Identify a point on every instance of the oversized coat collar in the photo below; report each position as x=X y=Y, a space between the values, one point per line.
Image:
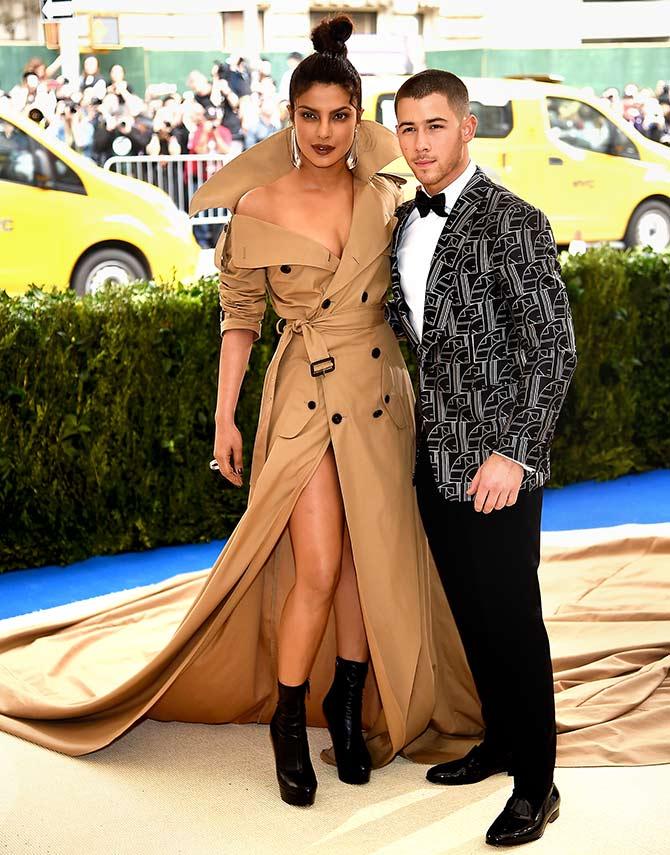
x=263 y=244
x=270 y=159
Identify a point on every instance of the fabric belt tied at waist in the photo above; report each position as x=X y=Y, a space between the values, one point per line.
x=321 y=362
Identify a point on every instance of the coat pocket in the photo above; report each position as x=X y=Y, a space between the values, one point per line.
x=392 y=399
x=300 y=403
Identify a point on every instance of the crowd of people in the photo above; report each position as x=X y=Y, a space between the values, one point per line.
x=646 y=109
x=227 y=112
x=233 y=108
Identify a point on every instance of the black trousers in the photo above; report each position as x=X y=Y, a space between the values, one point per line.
x=488 y=566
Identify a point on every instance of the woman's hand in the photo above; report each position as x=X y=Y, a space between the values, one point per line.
x=228 y=452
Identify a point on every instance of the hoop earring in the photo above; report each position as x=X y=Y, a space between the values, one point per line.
x=296 y=160
x=352 y=155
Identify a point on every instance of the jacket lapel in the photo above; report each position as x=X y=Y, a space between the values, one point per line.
x=441 y=283
x=402 y=214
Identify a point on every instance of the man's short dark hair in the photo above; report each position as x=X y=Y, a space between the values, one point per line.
x=435 y=81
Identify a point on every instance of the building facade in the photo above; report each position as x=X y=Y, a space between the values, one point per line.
x=589 y=42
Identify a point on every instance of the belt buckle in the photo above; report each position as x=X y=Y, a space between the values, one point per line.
x=318 y=372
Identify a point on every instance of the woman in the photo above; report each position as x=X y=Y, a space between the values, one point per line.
x=332 y=518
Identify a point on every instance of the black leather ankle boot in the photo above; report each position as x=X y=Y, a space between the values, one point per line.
x=342 y=708
x=288 y=729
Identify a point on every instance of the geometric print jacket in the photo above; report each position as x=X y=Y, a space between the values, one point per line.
x=498 y=347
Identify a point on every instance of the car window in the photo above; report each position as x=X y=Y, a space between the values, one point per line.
x=493 y=121
x=16 y=157
x=64 y=178
x=582 y=126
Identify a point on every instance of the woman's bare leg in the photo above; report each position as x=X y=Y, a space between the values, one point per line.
x=352 y=642
x=316 y=528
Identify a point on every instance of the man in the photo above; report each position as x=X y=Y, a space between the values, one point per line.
x=478 y=294
x=92 y=79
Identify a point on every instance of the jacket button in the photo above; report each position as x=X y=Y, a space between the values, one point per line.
x=311 y=405
x=376 y=353
x=377 y=413
x=337 y=418
x=325 y=304
x=285 y=268
x=364 y=296
x=387 y=398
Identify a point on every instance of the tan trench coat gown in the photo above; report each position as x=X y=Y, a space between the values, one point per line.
x=208 y=652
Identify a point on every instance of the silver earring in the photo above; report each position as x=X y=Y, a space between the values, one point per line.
x=352 y=156
x=295 y=150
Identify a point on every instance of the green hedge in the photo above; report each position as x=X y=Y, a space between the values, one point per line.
x=107 y=406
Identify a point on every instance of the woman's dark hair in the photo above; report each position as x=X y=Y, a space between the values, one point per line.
x=329 y=63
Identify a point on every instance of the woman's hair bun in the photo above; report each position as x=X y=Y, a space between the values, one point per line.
x=331 y=34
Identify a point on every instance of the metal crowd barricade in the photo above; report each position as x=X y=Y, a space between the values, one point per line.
x=179 y=175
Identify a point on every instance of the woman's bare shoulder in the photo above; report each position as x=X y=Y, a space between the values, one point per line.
x=264 y=202
x=254 y=202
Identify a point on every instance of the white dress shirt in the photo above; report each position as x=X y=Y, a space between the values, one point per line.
x=416 y=249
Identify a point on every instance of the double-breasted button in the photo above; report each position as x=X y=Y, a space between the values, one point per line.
x=376 y=353
x=337 y=418
x=285 y=268
x=311 y=405
x=377 y=413
x=364 y=297
x=325 y=304
x=387 y=398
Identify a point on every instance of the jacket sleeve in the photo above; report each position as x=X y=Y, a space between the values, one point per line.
x=525 y=263
x=241 y=290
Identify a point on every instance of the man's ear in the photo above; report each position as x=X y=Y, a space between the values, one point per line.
x=469 y=127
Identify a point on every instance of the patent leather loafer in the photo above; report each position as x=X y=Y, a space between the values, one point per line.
x=477 y=765
x=520 y=823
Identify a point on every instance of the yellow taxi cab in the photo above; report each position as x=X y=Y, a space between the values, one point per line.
x=592 y=173
x=67 y=223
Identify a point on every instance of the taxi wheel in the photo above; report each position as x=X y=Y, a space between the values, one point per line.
x=106 y=266
x=650 y=226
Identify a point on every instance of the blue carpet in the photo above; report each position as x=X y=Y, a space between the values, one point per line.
x=24 y=591
x=632 y=499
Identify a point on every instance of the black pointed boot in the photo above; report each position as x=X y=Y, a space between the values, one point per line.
x=288 y=729
x=342 y=708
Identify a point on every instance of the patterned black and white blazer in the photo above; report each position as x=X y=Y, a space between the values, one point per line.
x=498 y=348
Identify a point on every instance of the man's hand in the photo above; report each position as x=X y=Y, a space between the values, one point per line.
x=496 y=484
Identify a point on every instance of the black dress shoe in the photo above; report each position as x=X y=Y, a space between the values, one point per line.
x=520 y=822
x=478 y=764
x=342 y=708
x=288 y=729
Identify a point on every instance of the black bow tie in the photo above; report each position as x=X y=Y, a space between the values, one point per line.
x=425 y=203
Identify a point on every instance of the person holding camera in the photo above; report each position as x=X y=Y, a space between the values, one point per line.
x=72 y=125
x=165 y=140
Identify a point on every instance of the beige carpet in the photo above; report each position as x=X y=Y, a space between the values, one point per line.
x=184 y=789
x=207 y=790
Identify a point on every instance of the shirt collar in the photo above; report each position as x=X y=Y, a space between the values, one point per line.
x=454 y=190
